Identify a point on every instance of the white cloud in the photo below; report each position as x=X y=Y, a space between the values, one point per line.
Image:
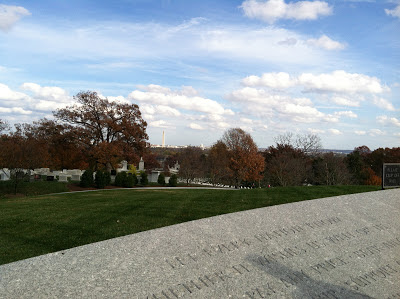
x=360 y=133
x=274 y=80
x=335 y=132
x=273 y=10
x=316 y=131
x=17 y=110
x=288 y=41
x=376 y=132
x=44 y=105
x=383 y=104
x=345 y=101
x=326 y=43
x=341 y=81
x=386 y=120
x=7 y=94
x=246 y=120
x=349 y=114
x=119 y=99
x=195 y=126
x=261 y=103
x=160 y=124
x=393 y=12
x=336 y=82
x=10 y=14
x=159 y=95
x=159 y=110
x=48 y=93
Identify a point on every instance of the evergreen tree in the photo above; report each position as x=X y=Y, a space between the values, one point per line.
x=161 y=179
x=87 y=179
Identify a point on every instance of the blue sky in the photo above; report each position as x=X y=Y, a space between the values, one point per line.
x=197 y=68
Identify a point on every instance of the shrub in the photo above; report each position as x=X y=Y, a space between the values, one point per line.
x=129 y=181
x=120 y=179
x=107 y=176
x=87 y=179
x=161 y=179
x=100 y=179
x=143 y=179
x=173 y=181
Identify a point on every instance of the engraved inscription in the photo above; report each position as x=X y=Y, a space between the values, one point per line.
x=204 y=281
x=371 y=277
x=261 y=292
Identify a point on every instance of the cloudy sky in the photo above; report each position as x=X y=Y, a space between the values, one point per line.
x=199 y=67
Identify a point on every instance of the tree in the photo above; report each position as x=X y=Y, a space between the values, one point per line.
x=109 y=131
x=218 y=161
x=87 y=179
x=3 y=125
x=329 y=169
x=144 y=181
x=102 y=179
x=246 y=164
x=308 y=143
x=191 y=161
x=173 y=181
x=285 y=165
x=161 y=179
x=64 y=152
x=21 y=152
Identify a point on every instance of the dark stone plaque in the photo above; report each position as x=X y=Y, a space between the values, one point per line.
x=391 y=175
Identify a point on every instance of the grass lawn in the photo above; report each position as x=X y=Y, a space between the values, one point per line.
x=31 y=226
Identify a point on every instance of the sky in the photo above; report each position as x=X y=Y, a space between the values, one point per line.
x=199 y=67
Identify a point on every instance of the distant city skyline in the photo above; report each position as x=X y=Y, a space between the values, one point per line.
x=197 y=68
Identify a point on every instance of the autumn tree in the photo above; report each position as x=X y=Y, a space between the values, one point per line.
x=192 y=163
x=245 y=163
x=218 y=162
x=20 y=152
x=108 y=131
x=64 y=151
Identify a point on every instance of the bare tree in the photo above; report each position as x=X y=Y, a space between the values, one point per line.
x=191 y=163
x=308 y=143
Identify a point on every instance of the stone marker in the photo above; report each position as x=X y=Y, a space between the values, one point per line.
x=338 y=247
x=391 y=175
x=63 y=178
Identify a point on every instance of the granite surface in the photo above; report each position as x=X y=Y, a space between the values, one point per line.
x=338 y=247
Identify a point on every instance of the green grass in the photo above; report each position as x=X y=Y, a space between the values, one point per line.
x=31 y=226
x=31 y=188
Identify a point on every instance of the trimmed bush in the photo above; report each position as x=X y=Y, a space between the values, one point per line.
x=120 y=179
x=100 y=179
x=129 y=181
x=143 y=179
x=107 y=177
x=173 y=181
x=161 y=179
x=87 y=179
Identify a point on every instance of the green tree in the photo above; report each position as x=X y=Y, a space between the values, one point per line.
x=120 y=178
x=144 y=181
x=173 y=181
x=87 y=179
x=161 y=179
x=101 y=179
